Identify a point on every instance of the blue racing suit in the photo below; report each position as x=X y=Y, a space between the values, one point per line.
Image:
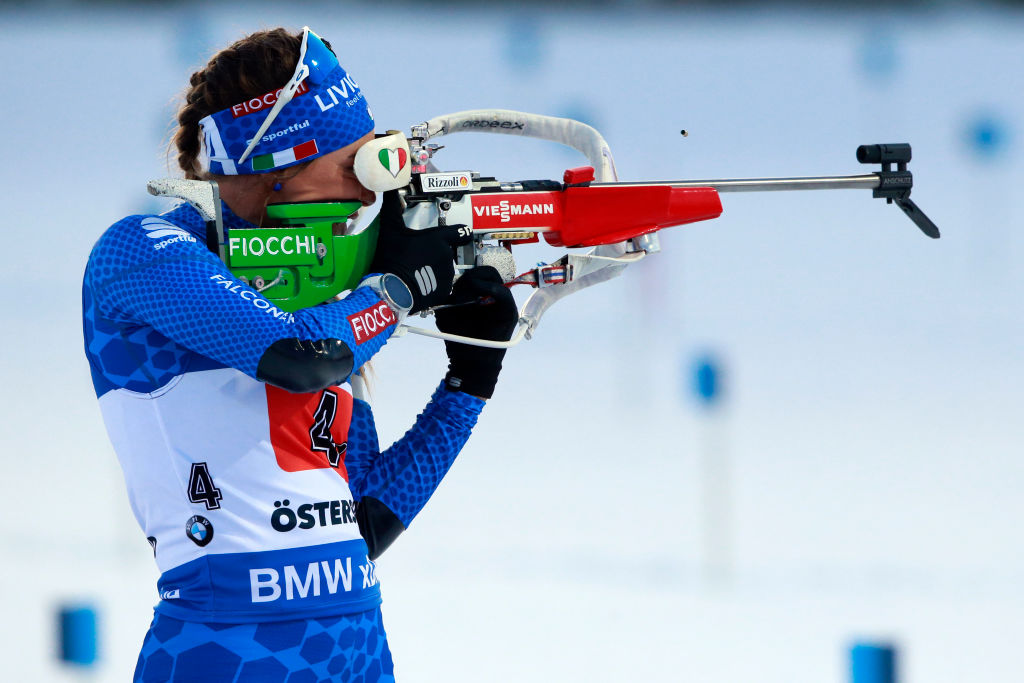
x=246 y=456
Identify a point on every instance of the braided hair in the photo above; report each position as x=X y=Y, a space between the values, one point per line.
x=250 y=67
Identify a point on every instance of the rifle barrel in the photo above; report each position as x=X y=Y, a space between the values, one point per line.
x=868 y=181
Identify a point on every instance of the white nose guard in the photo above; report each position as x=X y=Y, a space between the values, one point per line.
x=384 y=163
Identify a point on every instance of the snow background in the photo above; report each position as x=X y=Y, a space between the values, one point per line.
x=870 y=432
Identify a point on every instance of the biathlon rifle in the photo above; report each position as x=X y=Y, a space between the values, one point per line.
x=589 y=208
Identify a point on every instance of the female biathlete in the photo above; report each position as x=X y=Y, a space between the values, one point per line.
x=253 y=471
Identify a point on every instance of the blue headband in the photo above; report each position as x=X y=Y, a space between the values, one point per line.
x=319 y=110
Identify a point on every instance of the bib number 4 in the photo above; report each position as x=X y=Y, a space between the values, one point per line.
x=320 y=437
x=201 y=488
x=310 y=431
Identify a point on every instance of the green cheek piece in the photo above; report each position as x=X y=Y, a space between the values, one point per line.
x=303 y=262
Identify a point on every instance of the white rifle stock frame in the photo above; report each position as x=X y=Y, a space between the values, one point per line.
x=597 y=265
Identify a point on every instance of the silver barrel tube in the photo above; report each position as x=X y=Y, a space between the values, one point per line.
x=867 y=181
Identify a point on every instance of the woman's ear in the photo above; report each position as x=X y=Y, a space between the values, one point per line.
x=272 y=182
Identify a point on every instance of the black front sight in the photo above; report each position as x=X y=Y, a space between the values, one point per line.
x=895 y=186
x=884 y=154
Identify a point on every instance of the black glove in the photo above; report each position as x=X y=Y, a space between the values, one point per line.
x=485 y=309
x=424 y=259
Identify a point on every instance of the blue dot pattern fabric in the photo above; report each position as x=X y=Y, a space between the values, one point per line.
x=156 y=303
x=404 y=476
x=351 y=648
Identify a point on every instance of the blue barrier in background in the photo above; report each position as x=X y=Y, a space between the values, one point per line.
x=988 y=136
x=77 y=634
x=879 y=55
x=872 y=663
x=707 y=380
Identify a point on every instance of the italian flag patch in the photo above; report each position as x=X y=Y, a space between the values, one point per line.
x=393 y=160
x=265 y=162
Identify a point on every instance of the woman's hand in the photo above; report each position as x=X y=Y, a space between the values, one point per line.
x=481 y=306
x=424 y=259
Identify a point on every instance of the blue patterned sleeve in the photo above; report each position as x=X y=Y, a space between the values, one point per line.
x=185 y=292
x=404 y=476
